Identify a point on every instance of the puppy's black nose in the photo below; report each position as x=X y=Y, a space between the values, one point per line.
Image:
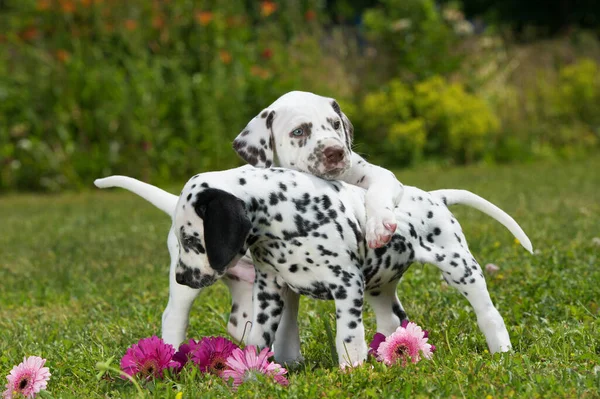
x=334 y=155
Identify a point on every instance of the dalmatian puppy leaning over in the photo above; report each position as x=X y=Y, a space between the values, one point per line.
x=310 y=133
x=305 y=236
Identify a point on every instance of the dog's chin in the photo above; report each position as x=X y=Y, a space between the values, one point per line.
x=334 y=173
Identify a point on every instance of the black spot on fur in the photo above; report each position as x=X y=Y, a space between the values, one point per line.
x=262 y=318
x=270 y=119
x=401 y=314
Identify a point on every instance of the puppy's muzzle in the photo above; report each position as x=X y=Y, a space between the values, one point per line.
x=334 y=157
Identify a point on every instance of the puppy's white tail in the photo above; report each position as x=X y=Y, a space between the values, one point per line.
x=464 y=197
x=159 y=198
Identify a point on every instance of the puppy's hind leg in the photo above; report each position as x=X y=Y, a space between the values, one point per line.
x=240 y=318
x=268 y=304
x=461 y=270
x=287 y=336
x=387 y=307
x=176 y=315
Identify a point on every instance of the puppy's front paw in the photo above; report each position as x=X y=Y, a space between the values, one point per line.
x=380 y=228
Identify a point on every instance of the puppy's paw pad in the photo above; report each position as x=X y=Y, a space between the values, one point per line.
x=380 y=228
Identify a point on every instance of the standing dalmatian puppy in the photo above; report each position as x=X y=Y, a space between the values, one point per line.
x=310 y=133
x=317 y=250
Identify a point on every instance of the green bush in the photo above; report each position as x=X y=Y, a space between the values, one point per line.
x=431 y=118
x=157 y=90
x=554 y=116
x=416 y=41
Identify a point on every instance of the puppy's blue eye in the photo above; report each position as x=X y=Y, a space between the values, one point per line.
x=298 y=132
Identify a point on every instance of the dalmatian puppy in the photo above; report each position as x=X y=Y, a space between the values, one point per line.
x=305 y=236
x=310 y=133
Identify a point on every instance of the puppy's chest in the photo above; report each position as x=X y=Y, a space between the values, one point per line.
x=308 y=266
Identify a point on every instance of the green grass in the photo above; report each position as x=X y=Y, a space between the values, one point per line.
x=83 y=276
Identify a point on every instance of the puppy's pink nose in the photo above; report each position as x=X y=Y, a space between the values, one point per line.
x=334 y=155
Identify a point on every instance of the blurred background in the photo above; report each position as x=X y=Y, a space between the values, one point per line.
x=158 y=89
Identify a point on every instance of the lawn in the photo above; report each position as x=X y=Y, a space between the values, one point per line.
x=84 y=276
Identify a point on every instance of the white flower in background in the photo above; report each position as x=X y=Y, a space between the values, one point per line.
x=463 y=28
x=452 y=15
x=24 y=144
x=401 y=24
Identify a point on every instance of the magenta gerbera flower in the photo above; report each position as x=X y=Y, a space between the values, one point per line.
x=378 y=338
x=245 y=364
x=148 y=358
x=405 y=343
x=27 y=379
x=211 y=354
x=184 y=353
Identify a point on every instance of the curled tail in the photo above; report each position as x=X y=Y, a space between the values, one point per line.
x=464 y=197
x=159 y=198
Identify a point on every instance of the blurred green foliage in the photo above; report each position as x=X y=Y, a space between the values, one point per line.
x=433 y=118
x=159 y=89
x=416 y=41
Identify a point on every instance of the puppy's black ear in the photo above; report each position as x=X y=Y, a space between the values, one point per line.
x=226 y=226
x=255 y=143
x=348 y=128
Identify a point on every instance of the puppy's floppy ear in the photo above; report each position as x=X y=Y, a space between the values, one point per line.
x=348 y=128
x=255 y=143
x=226 y=226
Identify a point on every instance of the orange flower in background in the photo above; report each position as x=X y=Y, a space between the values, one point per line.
x=310 y=15
x=158 y=21
x=203 y=17
x=267 y=53
x=267 y=8
x=63 y=55
x=29 y=33
x=43 y=5
x=235 y=20
x=86 y=3
x=225 y=56
x=257 y=71
x=67 y=6
x=130 y=24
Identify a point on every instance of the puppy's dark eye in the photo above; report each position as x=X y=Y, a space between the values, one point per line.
x=336 y=125
x=298 y=132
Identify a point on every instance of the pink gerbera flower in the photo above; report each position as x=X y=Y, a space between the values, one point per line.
x=185 y=353
x=405 y=343
x=148 y=358
x=211 y=354
x=27 y=379
x=245 y=364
